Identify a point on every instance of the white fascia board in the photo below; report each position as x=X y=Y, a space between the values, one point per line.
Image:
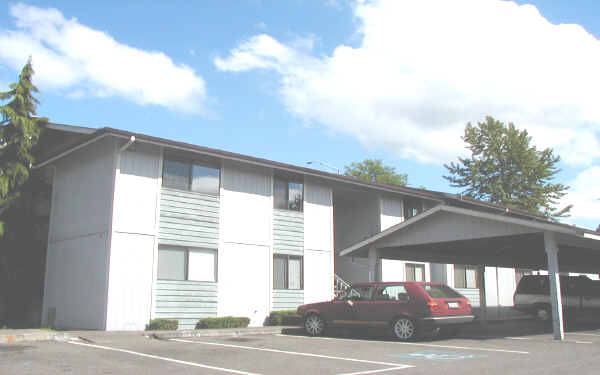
x=591 y=236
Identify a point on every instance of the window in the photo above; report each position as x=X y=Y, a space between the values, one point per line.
x=412 y=207
x=415 y=272
x=520 y=272
x=391 y=293
x=180 y=263
x=466 y=277
x=360 y=293
x=287 y=194
x=288 y=272
x=191 y=176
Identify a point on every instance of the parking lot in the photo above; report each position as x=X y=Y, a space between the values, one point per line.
x=294 y=353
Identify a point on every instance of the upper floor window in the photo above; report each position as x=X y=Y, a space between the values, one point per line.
x=412 y=207
x=196 y=177
x=288 y=194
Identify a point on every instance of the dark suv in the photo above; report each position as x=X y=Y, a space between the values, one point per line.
x=408 y=308
x=580 y=296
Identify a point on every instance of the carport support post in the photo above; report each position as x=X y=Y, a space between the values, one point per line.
x=557 y=315
x=373 y=263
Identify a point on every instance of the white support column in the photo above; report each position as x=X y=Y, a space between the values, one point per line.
x=373 y=264
x=557 y=316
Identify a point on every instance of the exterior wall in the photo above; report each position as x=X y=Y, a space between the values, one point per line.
x=75 y=289
x=288 y=238
x=245 y=252
x=132 y=256
x=318 y=243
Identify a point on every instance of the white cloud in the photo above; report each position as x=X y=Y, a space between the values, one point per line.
x=584 y=195
x=426 y=67
x=73 y=57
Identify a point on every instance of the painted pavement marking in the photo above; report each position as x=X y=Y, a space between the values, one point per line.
x=437 y=355
x=414 y=344
x=393 y=366
x=194 y=364
x=518 y=338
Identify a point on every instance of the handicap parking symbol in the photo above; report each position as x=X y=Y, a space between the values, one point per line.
x=436 y=355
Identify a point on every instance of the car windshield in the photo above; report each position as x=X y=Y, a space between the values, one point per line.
x=441 y=291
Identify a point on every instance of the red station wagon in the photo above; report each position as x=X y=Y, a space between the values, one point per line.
x=409 y=308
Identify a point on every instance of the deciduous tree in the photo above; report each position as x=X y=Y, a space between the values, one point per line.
x=504 y=168
x=374 y=170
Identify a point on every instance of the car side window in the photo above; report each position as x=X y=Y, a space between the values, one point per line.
x=392 y=293
x=361 y=293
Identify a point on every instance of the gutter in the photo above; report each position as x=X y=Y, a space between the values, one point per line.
x=71 y=150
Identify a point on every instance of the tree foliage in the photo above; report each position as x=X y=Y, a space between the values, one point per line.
x=503 y=168
x=20 y=130
x=374 y=170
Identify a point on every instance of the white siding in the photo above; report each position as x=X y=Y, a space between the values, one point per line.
x=130 y=282
x=318 y=243
x=244 y=282
x=246 y=206
x=245 y=253
x=392 y=212
x=133 y=241
x=76 y=267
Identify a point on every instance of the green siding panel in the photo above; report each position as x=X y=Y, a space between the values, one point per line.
x=186 y=301
x=188 y=219
x=287 y=299
x=288 y=232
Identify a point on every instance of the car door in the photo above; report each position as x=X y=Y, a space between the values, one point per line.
x=348 y=310
x=389 y=301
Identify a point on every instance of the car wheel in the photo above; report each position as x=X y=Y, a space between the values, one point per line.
x=405 y=329
x=543 y=313
x=314 y=325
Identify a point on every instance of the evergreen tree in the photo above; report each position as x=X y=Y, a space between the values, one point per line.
x=373 y=170
x=20 y=130
x=505 y=169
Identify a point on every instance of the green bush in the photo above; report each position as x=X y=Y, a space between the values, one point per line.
x=223 y=322
x=162 y=325
x=284 y=318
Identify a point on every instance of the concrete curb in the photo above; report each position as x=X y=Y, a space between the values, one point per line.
x=165 y=335
x=17 y=336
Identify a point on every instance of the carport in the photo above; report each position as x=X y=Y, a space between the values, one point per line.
x=448 y=234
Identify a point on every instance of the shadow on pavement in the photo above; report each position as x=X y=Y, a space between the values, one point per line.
x=475 y=331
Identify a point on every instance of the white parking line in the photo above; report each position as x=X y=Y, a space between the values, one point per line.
x=194 y=364
x=415 y=344
x=394 y=366
x=583 y=342
x=518 y=338
x=373 y=371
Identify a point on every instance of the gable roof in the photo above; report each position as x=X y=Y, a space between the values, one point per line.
x=90 y=135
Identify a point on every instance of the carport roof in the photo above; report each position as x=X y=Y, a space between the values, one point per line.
x=447 y=234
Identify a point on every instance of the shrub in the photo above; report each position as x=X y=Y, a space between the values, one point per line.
x=284 y=318
x=223 y=322
x=162 y=325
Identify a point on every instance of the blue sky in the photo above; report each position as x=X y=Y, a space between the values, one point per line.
x=333 y=81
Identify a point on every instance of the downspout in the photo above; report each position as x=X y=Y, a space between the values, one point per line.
x=117 y=172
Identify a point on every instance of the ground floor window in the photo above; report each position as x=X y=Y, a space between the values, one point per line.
x=183 y=263
x=288 y=272
x=466 y=277
x=415 y=272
